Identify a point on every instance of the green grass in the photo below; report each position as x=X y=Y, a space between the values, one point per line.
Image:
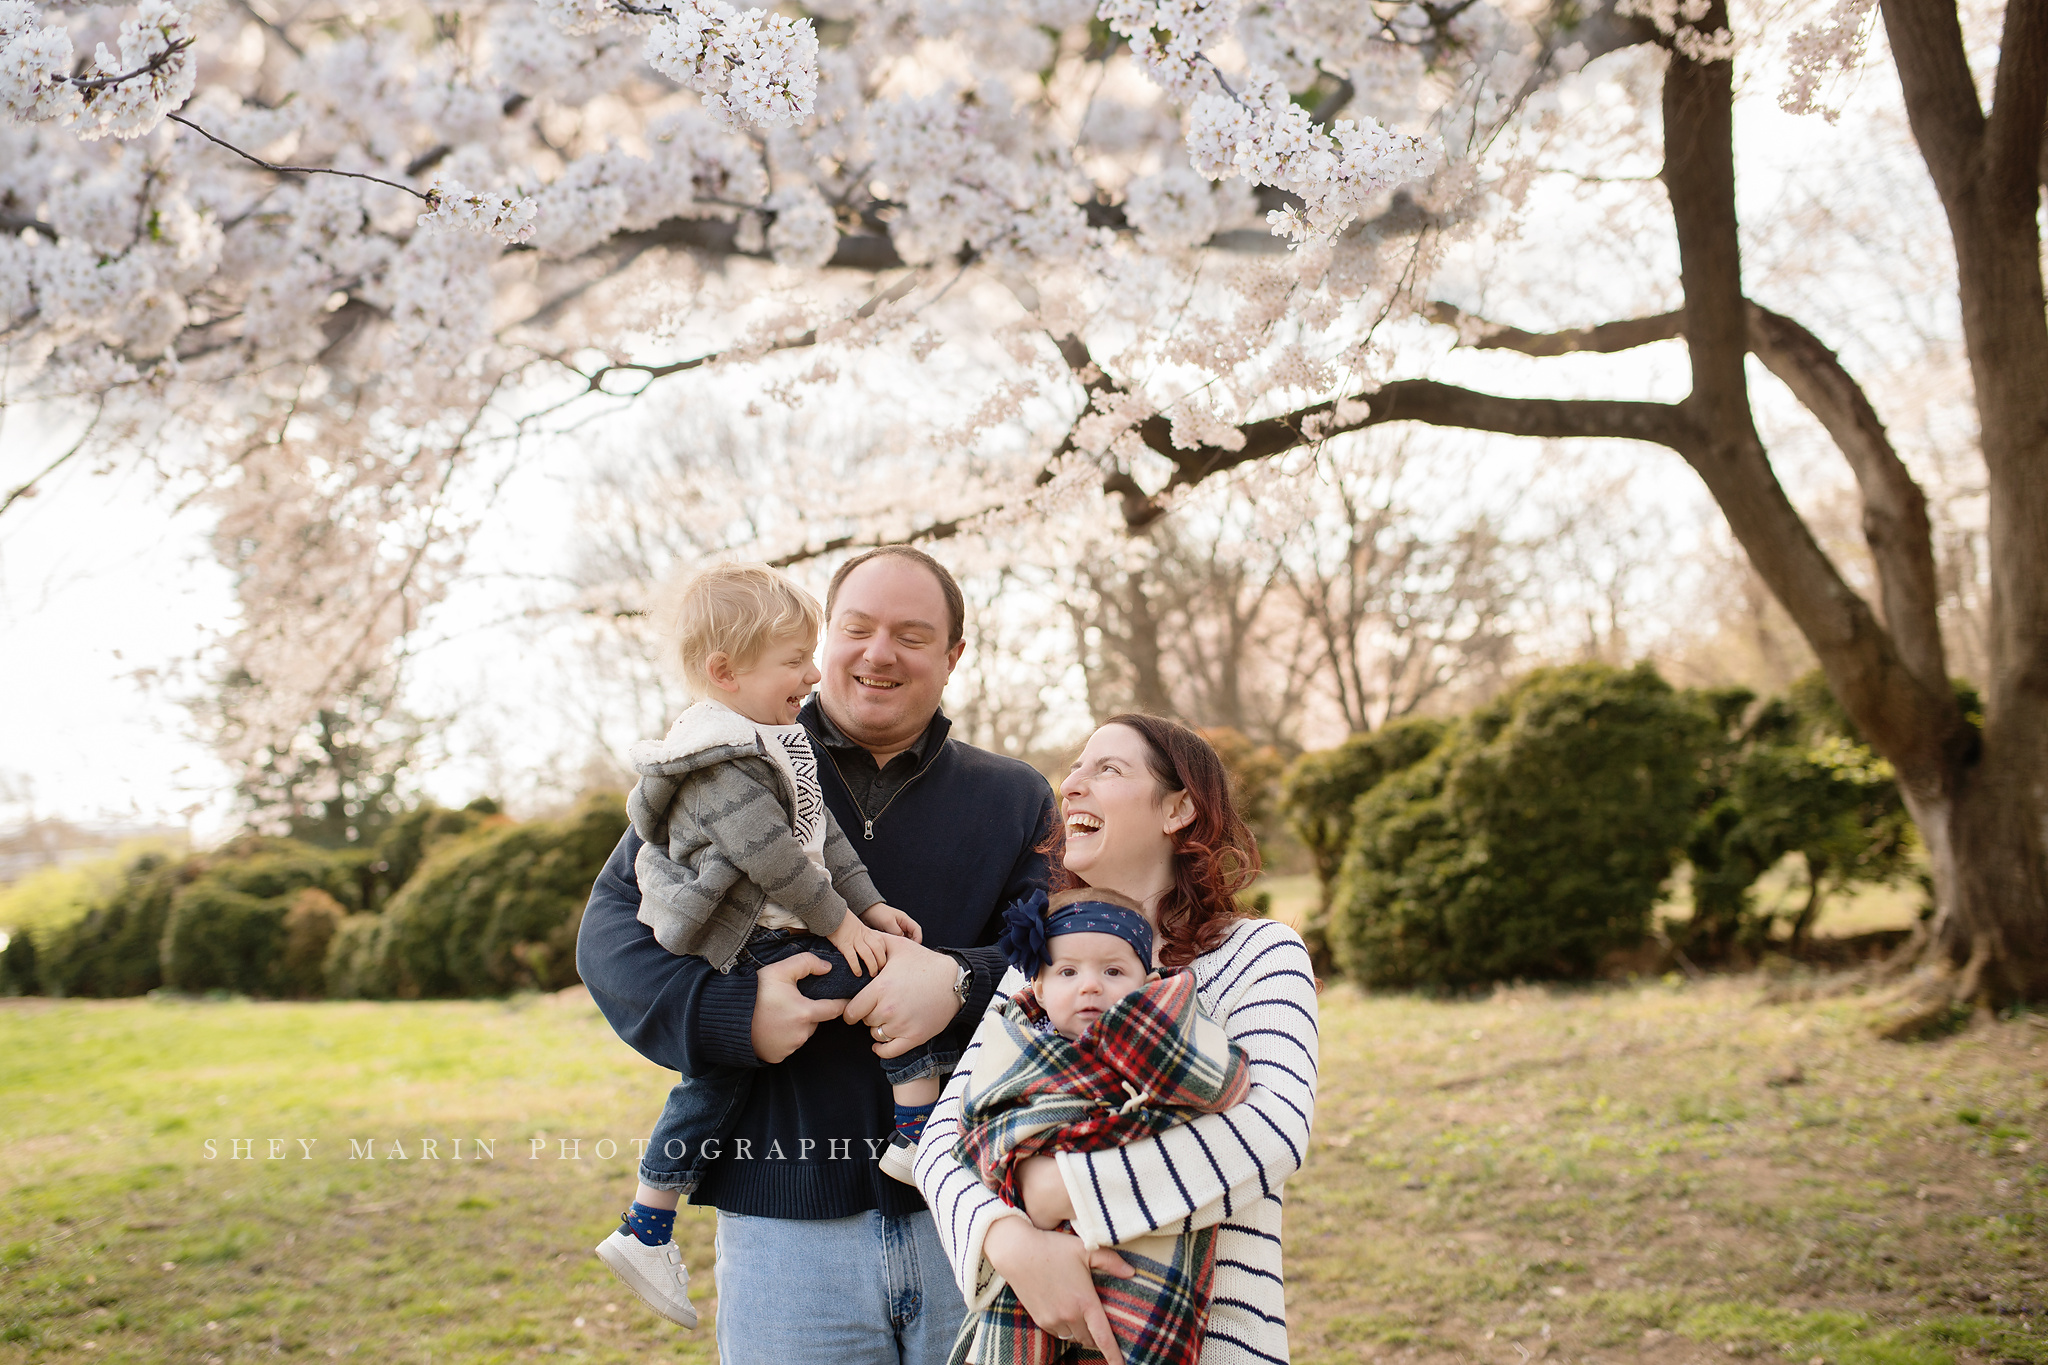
x=1601 y=1175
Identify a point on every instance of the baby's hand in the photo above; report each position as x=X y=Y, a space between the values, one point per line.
x=860 y=945
x=890 y=920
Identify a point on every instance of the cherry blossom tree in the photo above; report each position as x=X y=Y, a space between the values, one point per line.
x=331 y=261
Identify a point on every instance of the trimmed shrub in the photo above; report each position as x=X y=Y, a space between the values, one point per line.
x=1320 y=789
x=1319 y=792
x=487 y=912
x=356 y=964
x=309 y=927
x=113 y=949
x=18 y=966
x=407 y=840
x=219 y=938
x=1534 y=840
x=226 y=929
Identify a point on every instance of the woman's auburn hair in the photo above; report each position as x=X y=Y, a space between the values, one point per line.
x=1214 y=857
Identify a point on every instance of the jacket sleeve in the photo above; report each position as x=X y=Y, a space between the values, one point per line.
x=985 y=964
x=849 y=875
x=677 y=1012
x=737 y=805
x=1208 y=1169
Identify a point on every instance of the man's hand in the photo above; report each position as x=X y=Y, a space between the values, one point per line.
x=1046 y=1201
x=909 y=1000
x=784 y=1017
x=1054 y=1279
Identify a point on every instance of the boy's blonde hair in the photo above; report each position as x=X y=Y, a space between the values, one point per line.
x=736 y=610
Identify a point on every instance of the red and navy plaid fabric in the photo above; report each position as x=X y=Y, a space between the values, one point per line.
x=1153 y=1061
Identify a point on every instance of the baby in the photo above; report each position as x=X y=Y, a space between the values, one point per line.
x=744 y=866
x=1097 y=1051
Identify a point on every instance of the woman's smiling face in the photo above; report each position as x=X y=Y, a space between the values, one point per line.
x=1120 y=820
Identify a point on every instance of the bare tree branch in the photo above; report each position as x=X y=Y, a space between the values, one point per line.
x=297 y=170
x=1605 y=338
x=29 y=489
x=1895 y=520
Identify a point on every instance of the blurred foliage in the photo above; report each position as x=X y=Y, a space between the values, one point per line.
x=487 y=912
x=1254 y=771
x=1788 y=776
x=259 y=916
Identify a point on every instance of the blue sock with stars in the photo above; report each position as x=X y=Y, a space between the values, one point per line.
x=910 y=1121
x=654 y=1227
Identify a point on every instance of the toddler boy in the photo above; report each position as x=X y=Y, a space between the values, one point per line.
x=744 y=866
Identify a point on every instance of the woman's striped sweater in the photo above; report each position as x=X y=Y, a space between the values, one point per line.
x=1224 y=1169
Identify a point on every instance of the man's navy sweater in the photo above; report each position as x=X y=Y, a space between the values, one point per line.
x=957 y=844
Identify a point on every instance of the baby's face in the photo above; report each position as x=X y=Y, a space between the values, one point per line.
x=1086 y=975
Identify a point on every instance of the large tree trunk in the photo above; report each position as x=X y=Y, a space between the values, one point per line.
x=1993 y=888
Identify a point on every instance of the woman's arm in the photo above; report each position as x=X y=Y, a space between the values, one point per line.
x=1050 y=1272
x=1203 y=1171
x=963 y=1208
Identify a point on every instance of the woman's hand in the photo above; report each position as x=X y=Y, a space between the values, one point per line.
x=1053 y=1276
x=1046 y=1201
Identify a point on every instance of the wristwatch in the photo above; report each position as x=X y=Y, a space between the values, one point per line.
x=960 y=984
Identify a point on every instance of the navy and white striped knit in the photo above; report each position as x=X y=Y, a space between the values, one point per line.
x=1225 y=1169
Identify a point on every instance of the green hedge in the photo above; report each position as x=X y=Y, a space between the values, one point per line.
x=114 y=949
x=1319 y=792
x=226 y=928
x=488 y=912
x=258 y=916
x=1531 y=842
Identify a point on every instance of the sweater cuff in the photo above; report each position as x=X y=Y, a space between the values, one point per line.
x=1088 y=1222
x=858 y=890
x=987 y=1279
x=725 y=1020
x=985 y=968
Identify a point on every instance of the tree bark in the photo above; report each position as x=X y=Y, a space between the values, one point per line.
x=1987 y=171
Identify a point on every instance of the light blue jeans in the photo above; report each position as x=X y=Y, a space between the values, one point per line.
x=866 y=1290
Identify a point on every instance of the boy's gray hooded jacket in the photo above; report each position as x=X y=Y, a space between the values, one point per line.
x=717 y=817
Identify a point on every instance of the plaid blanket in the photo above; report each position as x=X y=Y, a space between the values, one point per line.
x=1152 y=1062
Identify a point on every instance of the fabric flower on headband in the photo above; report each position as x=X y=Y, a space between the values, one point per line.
x=1023 y=937
x=1030 y=925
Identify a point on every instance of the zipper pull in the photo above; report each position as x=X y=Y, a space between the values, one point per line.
x=870 y=830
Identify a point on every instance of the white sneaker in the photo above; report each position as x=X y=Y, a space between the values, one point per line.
x=656 y=1274
x=897 y=1162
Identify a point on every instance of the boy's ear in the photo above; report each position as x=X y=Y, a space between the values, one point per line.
x=1152 y=977
x=723 y=675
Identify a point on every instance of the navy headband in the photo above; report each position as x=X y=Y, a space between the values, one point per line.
x=1028 y=930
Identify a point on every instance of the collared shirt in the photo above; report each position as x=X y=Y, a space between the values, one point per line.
x=871 y=786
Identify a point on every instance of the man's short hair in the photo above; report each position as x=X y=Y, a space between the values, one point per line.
x=737 y=610
x=956 y=603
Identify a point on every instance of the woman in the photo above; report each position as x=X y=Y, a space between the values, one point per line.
x=1148 y=814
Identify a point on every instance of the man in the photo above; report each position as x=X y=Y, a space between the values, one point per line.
x=821 y=1258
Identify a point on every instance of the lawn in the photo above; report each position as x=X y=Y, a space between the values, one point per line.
x=1653 y=1173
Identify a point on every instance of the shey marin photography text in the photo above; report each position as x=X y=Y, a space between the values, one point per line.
x=545 y=1147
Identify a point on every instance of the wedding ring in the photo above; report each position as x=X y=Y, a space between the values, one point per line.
x=880 y=1036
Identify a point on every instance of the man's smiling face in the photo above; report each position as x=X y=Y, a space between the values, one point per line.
x=887 y=657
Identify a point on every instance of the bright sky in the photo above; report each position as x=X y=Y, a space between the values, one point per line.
x=101 y=582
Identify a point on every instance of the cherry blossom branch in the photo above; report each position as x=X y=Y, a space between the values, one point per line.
x=33 y=486
x=428 y=196
x=148 y=68
x=1605 y=338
